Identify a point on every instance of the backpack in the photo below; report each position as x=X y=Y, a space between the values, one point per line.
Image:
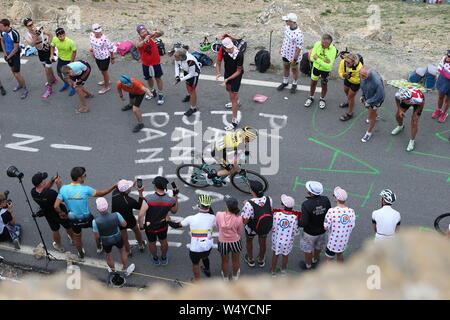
x=135 y=53
x=124 y=47
x=305 y=64
x=262 y=60
x=203 y=59
x=161 y=47
x=262 y=220
x=240 y=44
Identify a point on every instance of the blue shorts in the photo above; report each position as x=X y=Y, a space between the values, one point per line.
x=443 y=85
x=152 y=71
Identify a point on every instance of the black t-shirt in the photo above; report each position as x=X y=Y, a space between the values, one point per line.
x=314 y=210
x=6 y=218
x=231 y=64
x=46 y=200
x=124 y=204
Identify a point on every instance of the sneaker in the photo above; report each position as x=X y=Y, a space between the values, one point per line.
x=410 y=146
x=207 y=272
x=378 y=118
x=397 y=130
x=16 y=243
x=232 y=126
x=100 y=249
x=138 y=127
x=164 y=261
x=72 y=92
x=303 y=266
x=261 y=264
x=82 y=254
x=251 y=263
x=190 y=112
x=58 y=248
x=154 y=93
x=283 y=272
x=46 y=94
x=282 y=86
x=128 y=271
x=127 y=107
x=156 y=261
x=308 y=102
x=17 y=88
x=229 y=105
x=236 y=277
x=436 y=113
x=142 y=247
x=322 y=104
x=2 y=91
x=366 y=137
x=274 y=274
x=293 y=88
x=24 y=94
x=226 y=279
x=226 y=181
x=209 y=181
x=148 y=97
x=443 y=117
x=65 y=86
x=186 y=99
x=104 y=90
x=160 y=99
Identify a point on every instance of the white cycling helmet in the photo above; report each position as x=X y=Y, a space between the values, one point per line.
x=405 y=93
x=388 y=196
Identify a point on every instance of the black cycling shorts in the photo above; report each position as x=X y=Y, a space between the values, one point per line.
x=103 y=65
x=417 y=108
x=234 y=84
x=197 y=256
x=138 y=98
x=54 y=222
x=117 y=244
x=353 y=86
x=130 y=220
x=44 y=57
x=78 y=78
x=78 y=226
x=14 y=62
x=322 y=74
x=152 y=237
x=59 y=65
x=287 y=62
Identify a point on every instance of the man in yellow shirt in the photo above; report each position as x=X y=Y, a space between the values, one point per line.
x=349 y=71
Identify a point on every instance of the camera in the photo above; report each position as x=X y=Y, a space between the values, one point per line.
x=13 y=172
x=39 y=31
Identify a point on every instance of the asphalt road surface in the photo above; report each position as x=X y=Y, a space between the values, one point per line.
x=310 y=144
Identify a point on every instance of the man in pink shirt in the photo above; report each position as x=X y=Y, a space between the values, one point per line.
x=230 y=225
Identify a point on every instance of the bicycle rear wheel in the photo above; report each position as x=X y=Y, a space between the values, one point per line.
x=193 y=175
x=442 y=223
x=241 y=180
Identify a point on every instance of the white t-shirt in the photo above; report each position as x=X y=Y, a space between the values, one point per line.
x=41 y=42
x=293 y=39
x=201 y=226
x=386 y=220
x=340 y=223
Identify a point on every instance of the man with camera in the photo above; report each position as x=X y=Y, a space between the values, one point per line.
x=40 y=38
x=45 y=197
x=9 y=230
x=154 y=211
x=76 y=198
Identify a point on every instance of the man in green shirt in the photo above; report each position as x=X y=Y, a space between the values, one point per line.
x=322 y=56
x=67 y=52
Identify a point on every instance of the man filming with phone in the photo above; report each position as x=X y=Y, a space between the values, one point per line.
x=45 y=197
x=154 y=211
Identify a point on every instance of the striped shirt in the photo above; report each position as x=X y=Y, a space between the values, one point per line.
x=158 y=208
x=201 y=226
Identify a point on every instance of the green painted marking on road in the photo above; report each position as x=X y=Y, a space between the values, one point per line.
x=391 y=142
x=439 y=135
x=337 y=152
x=366 y=197
x=428 y=170
x=431 y=155
x=428 y=110
x=314 y=125
x=426 y=229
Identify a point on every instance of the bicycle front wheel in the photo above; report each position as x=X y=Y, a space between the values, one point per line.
x=442 y=223
x=241 y=180
x=193 y=175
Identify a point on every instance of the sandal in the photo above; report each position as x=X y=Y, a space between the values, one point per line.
x=82 y=110
x=346 y=117
x=343 y=105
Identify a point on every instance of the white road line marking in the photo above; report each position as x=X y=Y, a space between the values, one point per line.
x=22 y=61
x=258 y=83
x=20 y=145
x=70 y=147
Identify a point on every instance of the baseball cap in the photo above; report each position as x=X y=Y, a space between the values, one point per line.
x=139 y=28
x=314 y=187
x=340 y=194
x=290 y=17
x=96 y=27
x=287 y=201
x=124 y=185
x=232 y=204
x=256 y=186
x=38 y=178
x=102 y=204
x=227 y=43
x=160 y=182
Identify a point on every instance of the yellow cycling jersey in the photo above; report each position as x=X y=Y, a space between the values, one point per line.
x=229 y=141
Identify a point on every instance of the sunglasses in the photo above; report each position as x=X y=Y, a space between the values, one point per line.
x=30 y=25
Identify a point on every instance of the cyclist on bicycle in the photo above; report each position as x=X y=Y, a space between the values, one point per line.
x=230 y=142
